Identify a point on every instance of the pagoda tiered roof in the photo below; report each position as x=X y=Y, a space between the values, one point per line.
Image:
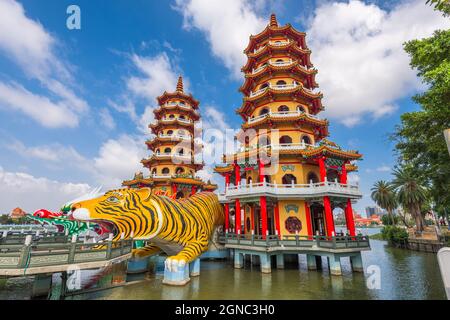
x=269 y=50
x=272 y=69
x=273 y=29
x=325 y=148
x=178 y=94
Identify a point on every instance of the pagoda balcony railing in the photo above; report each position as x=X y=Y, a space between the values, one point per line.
x=293 y=190
x=161 y=176
x=279 y=147
x=273 y=43
x=174 y=155
x=274 y=63
x=175 y=136
x=182 y=106
x=173 y=119
x=280 y=114
x=274 y=87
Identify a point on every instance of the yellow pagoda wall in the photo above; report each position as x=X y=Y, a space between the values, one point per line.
x=284 y=214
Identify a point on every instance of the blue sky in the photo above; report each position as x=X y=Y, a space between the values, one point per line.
x=74 y=103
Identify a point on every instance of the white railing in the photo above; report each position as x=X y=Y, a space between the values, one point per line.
x=275 y=87
x=280 y=114
x=281 y=63
x=175 y=136
x=293 y=190
x=161 y=176
x=173 y=119
x=279 y=43
x=175 y=155
x=278 y=147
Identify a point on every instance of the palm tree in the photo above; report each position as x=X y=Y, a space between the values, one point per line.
x=410 y=193
x=384 y=196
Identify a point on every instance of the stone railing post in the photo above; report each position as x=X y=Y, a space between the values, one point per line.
x=73 y=247
x=25 y=252
x=109 y=246
x=253 y=237
x=297 y=243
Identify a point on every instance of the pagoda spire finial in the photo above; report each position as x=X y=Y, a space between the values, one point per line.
x=180 y=84
x=273 y=20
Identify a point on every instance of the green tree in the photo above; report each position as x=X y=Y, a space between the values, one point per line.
x=384 y=196
x=441 y=5
x=410 y=193
x=419 y=137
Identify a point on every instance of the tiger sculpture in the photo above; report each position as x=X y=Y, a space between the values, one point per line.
x=180 y=228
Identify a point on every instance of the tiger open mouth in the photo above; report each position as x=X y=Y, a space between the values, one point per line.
x=105 y=227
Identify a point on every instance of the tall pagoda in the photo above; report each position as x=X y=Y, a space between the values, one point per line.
x=171 y=165
x=281 y=107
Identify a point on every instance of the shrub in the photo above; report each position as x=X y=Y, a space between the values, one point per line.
x=394 y=234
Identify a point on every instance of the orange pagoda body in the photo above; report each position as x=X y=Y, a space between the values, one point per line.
x=287 y=178
x=172 y=164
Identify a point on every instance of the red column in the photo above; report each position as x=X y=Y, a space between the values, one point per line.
x=328 y=216
x=349 y=218
x=193 y=190
x=174 y=189
x=227 y=217
x=323 y=170
x=237 y=217
x=260 y=170
x=263 y=204
x=237 y=175
x=277 y=219
x=252 y=216
x=308 y=219
x=227 y=179
x=344 y=174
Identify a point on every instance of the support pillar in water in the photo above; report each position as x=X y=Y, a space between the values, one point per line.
x=42 y=285
x=265 y=263
x=195 y=267
x=176 y=277
x=280 y=261
x=311 y=262
x=334 y=263
x=356 y=262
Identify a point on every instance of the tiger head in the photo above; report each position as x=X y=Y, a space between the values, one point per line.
x=131 y=212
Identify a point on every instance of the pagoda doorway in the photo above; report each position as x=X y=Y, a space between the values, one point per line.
x=318 y=219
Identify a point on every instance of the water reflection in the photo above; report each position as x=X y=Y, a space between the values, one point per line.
x=404 y=275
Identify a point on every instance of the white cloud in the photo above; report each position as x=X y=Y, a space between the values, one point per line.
x=32 y=193
x=106 y=119
x=32 y=48
x=357 y=49
x=384 y=169
x=157 y=75
x=41 y=109
x=227 y=27
x=118 y=160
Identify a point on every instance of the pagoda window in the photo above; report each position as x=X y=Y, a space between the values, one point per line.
x=171 y=116
x=181 y=132
x=332 y=176
x=267 y=179
x=264 y=111
x=312 y=178
x=289 y=179
x=181 y=151
x=179 y=195
x=167 y=150
x=264 y=85
x=181 y=103
x=154 y=172
x=157 y=151
x=249 y=180
x=264 y=141
x=281 y=83
x=179 y=170
x=285 y=140
x=170 y=132
x=182 y=117
x=306 y=139
x=283 y=108
x=165 y=171
x=301 y=109
x=279 y=60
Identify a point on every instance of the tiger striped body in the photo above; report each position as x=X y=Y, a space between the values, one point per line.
x=181 y=228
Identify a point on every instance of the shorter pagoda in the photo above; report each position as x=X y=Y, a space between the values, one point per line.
x=171 y=164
